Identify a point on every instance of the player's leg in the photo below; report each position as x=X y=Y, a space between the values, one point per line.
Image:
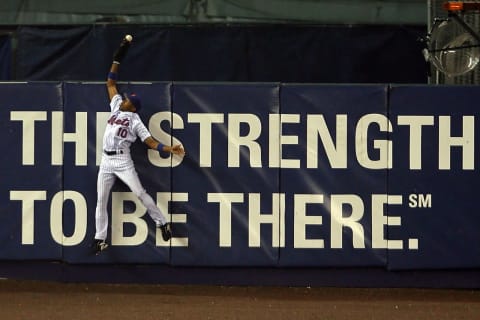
x=130 y=178
x=105 y=183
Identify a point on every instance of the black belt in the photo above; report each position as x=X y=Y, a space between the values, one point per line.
x=114 y=152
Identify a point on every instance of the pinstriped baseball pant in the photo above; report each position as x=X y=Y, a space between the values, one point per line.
x=111 y=168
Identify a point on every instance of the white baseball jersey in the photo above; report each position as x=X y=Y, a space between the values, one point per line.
x=123 y=128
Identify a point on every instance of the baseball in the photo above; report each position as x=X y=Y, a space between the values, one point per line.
x=129 y=38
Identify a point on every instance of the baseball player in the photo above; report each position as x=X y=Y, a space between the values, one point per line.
x=123 y=128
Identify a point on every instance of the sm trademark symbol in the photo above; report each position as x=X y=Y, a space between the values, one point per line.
x=419 y=200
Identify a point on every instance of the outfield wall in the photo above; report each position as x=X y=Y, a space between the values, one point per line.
x=276 y=176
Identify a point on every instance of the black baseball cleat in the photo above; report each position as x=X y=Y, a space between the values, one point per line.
x=99 y=245
x=166 y=231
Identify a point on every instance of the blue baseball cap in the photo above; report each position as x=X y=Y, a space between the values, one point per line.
x=135 y=100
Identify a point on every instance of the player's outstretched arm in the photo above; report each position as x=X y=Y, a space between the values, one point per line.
x=112 y=80
x=117 y=59
x=155 y=145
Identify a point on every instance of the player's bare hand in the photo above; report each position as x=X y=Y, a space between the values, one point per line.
x=178 y=150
